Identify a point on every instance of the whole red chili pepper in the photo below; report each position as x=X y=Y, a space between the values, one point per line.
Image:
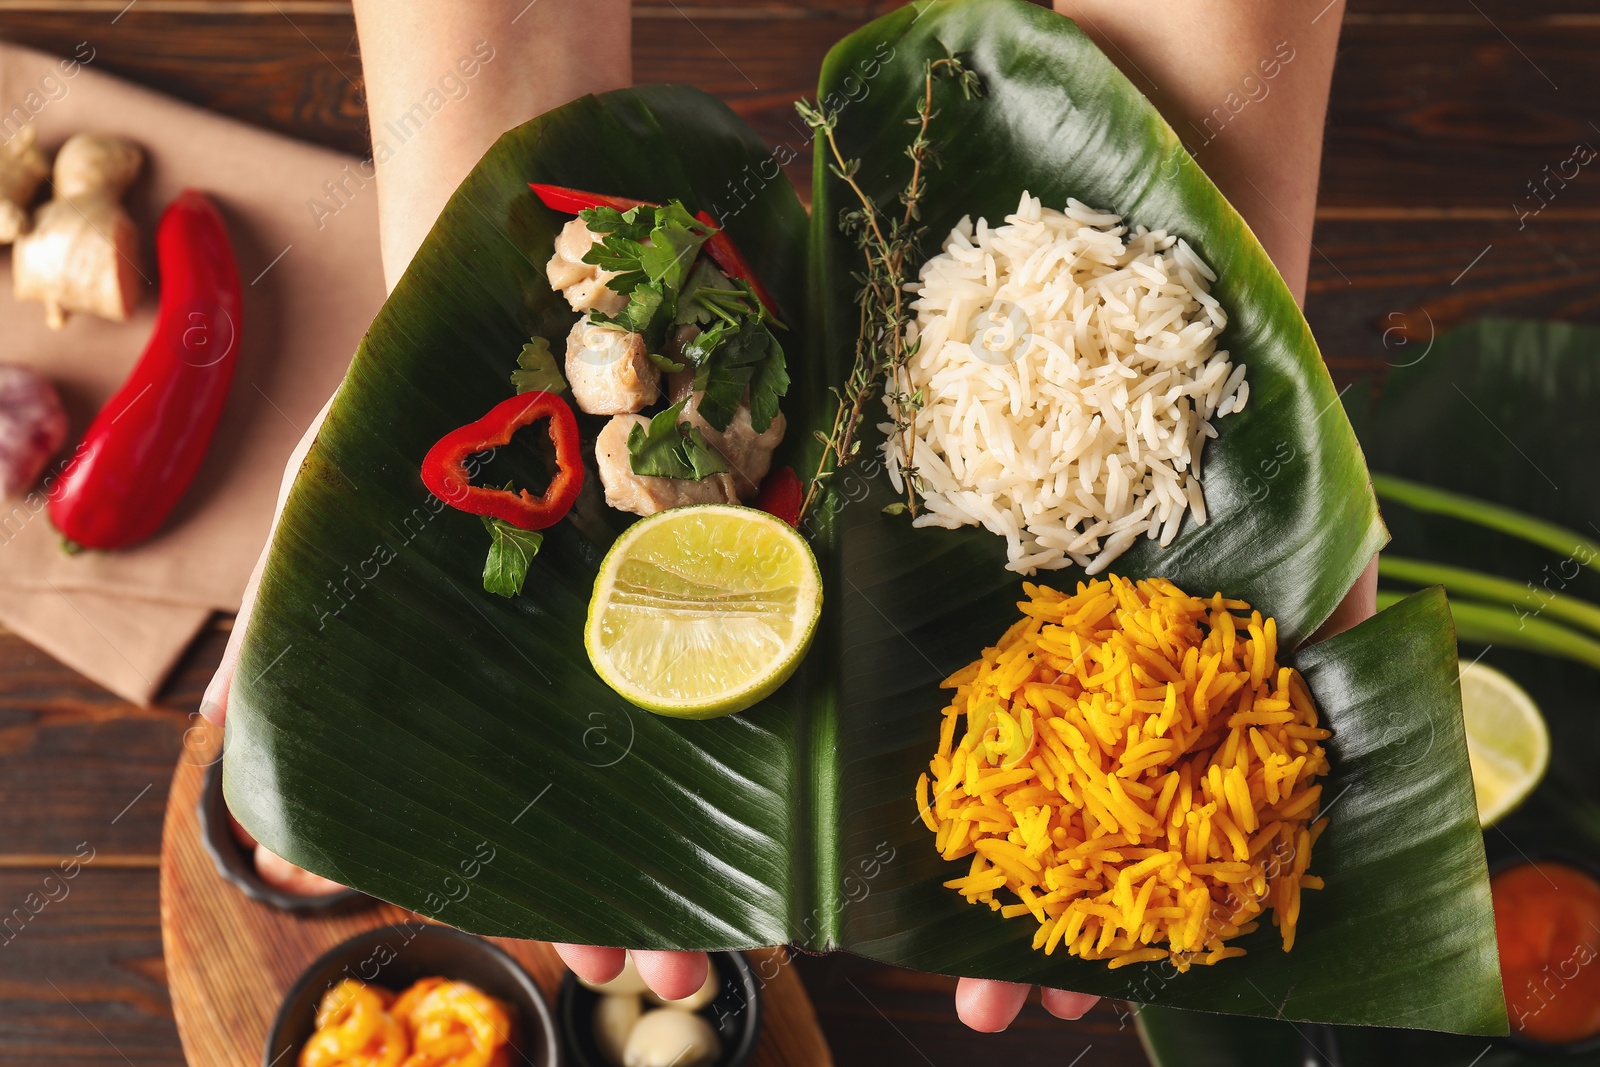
x=719 y=246
x=142 y=450
x=444 y=468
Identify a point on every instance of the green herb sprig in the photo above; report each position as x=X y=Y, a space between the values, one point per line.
x=511 y=552
x=736 y=349
x=667 y=448
x=655 y=251
x=537 y=370
x=652 y=250
x=510 y=555
x=889 y=245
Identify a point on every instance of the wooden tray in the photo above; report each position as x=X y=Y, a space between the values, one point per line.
x=230 y=960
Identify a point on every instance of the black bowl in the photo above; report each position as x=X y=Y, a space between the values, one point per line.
x=1514 y=1040
x=235 y=864
x=396 y=956
x=735 y=1015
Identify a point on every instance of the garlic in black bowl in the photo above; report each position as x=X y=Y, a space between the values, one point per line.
x=621 y=1023
x=614 y=1018
x=667 y=1037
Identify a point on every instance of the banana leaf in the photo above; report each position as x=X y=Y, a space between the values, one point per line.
x=1197 y=1039
x=395 y=728
x=1502 y=410
x=1293 y=519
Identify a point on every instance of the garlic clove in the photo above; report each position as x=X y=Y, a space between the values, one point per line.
x=668 y=1038
x=614 y=1019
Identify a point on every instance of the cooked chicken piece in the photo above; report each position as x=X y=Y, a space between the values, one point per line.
x=642 y=494
x=680 y=336
x=747 y=453
x=583 y=284
x=610 y=370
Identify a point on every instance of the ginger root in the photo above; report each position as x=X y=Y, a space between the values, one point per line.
x=22 y=168
x=82 y=254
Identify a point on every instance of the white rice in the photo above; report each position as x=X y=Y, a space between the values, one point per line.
x=1069 y=378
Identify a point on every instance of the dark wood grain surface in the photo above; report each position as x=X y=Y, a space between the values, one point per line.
x=1443 y=113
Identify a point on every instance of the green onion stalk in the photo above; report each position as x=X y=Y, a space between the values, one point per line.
x=1486 y=624
x=1494 y=516
x=1458 y=581
x=1502 y=621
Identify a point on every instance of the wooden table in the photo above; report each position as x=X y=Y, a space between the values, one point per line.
x=1443 y=113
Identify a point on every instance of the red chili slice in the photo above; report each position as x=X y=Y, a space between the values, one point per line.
x=444 y=469
x=560 y=198
x=781 y=495
x=719 y=246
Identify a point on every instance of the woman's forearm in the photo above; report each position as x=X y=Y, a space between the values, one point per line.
x=444 y=78
x=1245 y=84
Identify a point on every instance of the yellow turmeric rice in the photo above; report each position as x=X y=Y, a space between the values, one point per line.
x=1133 y=768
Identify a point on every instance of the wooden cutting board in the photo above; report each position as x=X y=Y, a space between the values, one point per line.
x=230 y=960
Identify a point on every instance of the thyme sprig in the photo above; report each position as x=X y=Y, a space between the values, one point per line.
x=888 y=243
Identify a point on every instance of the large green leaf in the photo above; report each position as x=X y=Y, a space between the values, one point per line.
x=390 y=723
x=1502 y=410
x=1174 y=1038
x=1058 y=120
x=388 y=715
x=1293 y=517
x=1406 y=901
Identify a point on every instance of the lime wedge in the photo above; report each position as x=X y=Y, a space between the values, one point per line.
x=1507 y=742
x=703 y=611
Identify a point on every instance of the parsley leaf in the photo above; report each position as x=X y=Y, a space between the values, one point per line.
x=536 y=369
x=709 y=293
x=674 y=243
x=734 y=356
x=703 y=278
x=510 y=554
x=767 y=387
x=665 y=364
x=652 y=250
x=736 y=352
x=640 y=314
x=670 y=449
x=631 y=225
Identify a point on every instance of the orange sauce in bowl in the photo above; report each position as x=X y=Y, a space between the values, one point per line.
x=1547 y=917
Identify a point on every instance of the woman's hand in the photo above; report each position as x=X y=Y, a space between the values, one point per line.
x=1264 y=158
x=1193 y=61
x=989 y=1006
x=538 y=57
x=670 y=975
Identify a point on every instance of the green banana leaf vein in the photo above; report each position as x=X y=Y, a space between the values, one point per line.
x=389 y=720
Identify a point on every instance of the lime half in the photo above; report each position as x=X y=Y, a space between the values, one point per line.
x=1506 y=740
x=702 y=611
